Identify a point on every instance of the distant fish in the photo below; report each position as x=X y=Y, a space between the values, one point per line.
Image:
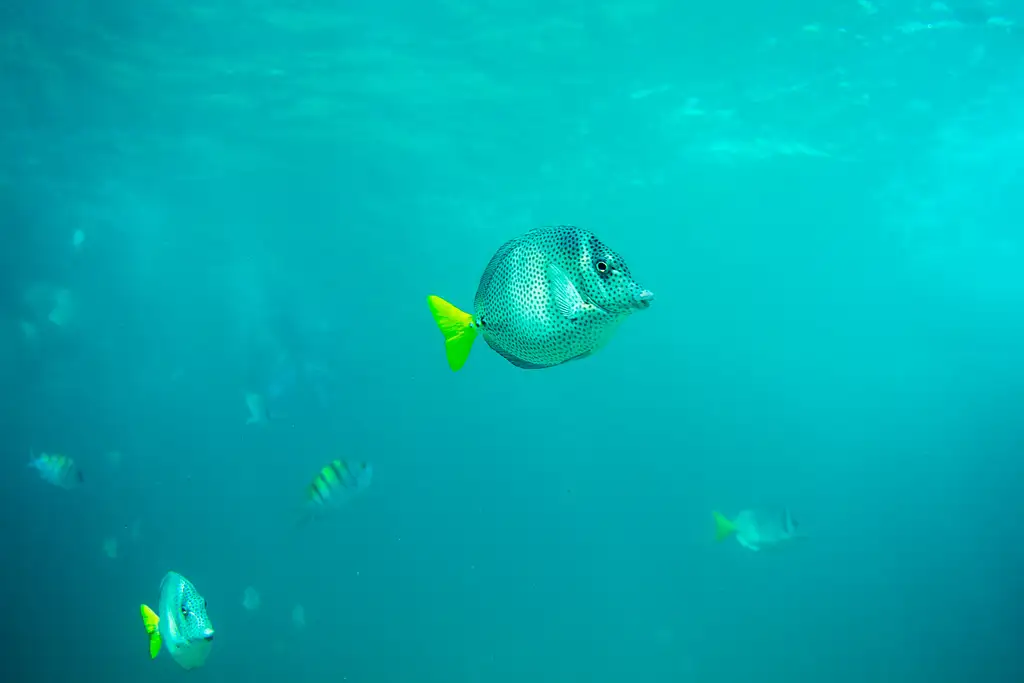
x=29 y=331
x=77 y=240
x=295 y=383
x=757 y=529
x=336 y=483
x=257 y=405
x=110 y=547
x=299 y=616
x=180 y=624
x=59 y=470
x=251 y=599
x=63 y=308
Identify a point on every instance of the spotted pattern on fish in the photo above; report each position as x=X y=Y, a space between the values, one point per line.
x=194 y=623
x=553 y=295
x=183 y=623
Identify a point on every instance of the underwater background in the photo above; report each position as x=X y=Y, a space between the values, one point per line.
x=203 y=199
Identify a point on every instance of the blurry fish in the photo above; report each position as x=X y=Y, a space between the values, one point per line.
x=29 y=331
x=550 y=296
x=757 y=529
x=251 y=599
x=77 y=240
x=257 y=405
x=335 y=484
x=299 y=616
x=110 y=547
x=180 y=623
x=63 y=308
x=294 y=384
x=59 y=470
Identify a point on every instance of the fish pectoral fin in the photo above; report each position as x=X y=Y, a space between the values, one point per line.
x=564 y=293
x=151 y=621
x=458 y=329
x=723 y=527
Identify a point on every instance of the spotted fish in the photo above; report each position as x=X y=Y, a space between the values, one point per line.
x=180 y=623
x=548 y=297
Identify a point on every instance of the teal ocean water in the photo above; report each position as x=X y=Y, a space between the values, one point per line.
x=205 y=199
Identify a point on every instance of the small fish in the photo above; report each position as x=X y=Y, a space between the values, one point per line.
x=251 y=599
x=258 y=413
x=180 y=623
x=299 y=616
x=757 y=529
x=78 y=239
x=63 y=307
x=59 y=470
x=335 y=484
x=548 y=297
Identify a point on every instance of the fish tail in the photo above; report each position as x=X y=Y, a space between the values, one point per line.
x=150 y=620
x=723 y=527
x=458 y=329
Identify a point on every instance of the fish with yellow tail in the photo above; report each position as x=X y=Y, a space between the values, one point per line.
x=759 y=529
x=553 y=295
x=180 y=623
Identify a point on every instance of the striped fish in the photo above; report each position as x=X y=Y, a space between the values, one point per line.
x=336 y=483
x=59 y=470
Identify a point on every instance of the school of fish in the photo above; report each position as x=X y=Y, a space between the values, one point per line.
x=548 y=297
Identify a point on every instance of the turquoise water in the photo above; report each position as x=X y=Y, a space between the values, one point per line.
x=824 y=196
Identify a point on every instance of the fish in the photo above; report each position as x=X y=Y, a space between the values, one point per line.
x=550 y=296
x=336 y=483
x=294 y=384
x=59 y=470
x=251 y=599
x=63 y=307
x=757 y=529
x=180 y=624
x=257 y=405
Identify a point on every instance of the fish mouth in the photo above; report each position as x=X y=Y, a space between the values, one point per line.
x=644 y=298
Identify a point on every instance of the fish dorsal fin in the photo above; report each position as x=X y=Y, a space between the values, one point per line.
x=566 y=297
x=492 y=265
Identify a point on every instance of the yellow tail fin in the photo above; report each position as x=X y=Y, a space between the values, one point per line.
x=458 y=330
x=150 y=620
x=723 y=527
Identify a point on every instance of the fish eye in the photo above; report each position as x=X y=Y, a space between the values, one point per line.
x=184 y=611
x=602 y=267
